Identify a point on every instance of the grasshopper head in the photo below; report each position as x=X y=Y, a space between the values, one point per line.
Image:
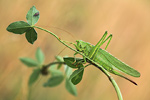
x=81 y=45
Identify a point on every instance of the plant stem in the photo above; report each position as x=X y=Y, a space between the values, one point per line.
x=52 y=63
x=100 y=67
x=44 y=69
x=113 y=83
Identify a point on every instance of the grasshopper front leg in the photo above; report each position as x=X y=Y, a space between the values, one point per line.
x=74 y=58
x=79 y=62
x=81 y=50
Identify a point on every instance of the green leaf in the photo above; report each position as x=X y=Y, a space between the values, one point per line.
x=55 y=72
x=59 y=58
x=68 y=71
x=32 y=16
x=70 y=87
x=76 y=72
x=59 y=66
x=70 y=62
x=54 y=81
x=76 y=76
x=29 y=62
x=39 y=56
x=18 y=27
x=31 y=35
x=75 y=80
x=53 y=67
x=34 y=76
x=56 y=78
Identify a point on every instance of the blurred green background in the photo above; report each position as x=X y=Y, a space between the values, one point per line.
x=127 y=20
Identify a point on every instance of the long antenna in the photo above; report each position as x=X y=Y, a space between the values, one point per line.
x=59 y=29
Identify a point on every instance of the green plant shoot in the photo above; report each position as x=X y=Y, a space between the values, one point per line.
x=92 y=54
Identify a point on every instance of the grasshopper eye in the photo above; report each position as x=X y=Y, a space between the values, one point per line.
x=80 y=46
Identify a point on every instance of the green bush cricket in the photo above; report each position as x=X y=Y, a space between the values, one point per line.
x=105 y=59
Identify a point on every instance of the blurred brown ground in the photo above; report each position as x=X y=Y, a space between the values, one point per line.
x=127 y=20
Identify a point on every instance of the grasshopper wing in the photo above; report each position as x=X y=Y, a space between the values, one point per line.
x=119 y=65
